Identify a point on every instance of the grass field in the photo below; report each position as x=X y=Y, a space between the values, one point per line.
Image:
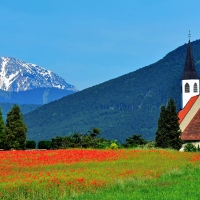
x=103 y=174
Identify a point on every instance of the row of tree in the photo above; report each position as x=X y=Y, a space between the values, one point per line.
x=43 y=144
x=89 y=140
x=13 y=132
x=78 y=140
x=92 y=139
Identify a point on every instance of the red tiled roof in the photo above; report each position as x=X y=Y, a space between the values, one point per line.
x=192 y=131
x=184 y=111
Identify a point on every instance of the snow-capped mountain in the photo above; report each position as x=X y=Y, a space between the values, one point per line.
x=16 y=76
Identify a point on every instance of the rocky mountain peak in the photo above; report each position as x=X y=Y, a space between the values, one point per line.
x=17 y=75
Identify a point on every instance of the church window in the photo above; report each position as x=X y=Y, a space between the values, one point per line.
x=187 y=88
x=195 y=87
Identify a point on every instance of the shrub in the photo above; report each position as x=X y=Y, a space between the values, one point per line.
x=113 y=146
x=44 y=144
x=189 y=147
x=103 y=145
x=150 y=144
x=135 y=141
x=30 y=144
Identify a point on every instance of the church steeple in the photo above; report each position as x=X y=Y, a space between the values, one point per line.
x=190 y=78
x=189 y=70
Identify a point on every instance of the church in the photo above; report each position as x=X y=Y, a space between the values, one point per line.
x=189 y=116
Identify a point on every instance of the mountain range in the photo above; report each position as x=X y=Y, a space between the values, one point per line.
x=129 y=104
x=27 y=83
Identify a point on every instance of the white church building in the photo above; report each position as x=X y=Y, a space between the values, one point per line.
x=189 y=116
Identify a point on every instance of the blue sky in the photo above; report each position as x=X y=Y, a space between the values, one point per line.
x=88 y=42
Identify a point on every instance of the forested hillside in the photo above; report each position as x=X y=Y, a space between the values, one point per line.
x=38 y=96
x=25 y=108
x=126 y=105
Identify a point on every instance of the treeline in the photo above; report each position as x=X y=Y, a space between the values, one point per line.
x=91 y=139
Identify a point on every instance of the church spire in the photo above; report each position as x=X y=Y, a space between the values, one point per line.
x=189 y=70
x=190 y=78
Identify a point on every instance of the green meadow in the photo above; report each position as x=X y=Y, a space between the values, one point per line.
x=176 y=185
x=99 y=174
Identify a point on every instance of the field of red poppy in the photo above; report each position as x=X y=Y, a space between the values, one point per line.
x=59 y=174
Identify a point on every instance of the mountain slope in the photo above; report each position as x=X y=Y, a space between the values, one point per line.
x=6 y=107
x=127 y=105
x=37 y=96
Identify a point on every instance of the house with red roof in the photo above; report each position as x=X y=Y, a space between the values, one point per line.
x=189 y=116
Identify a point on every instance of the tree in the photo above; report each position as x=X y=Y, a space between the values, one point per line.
x=15 y=130
x=76 y=140
x=57 y=142
x=161 y=132
x=134 y=141
x=168 y=133
x=173 y=126
x=44 y=144
x=30 y=144
x=95 y=131
x=2 y=127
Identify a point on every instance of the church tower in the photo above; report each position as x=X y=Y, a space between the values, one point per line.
x=190 y=78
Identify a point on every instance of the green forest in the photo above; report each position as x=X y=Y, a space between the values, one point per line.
x=121 y=107
x=25 y=108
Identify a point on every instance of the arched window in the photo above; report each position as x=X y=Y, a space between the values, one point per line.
x=195 y=87
x=187 y=88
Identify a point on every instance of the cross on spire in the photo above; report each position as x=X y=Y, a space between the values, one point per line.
x=189 y=35
x=190 y=69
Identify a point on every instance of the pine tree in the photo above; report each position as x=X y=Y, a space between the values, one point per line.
x=161 y=132
x=168 y=133
x=15 y=129
x=2 y=126
x=173 y=127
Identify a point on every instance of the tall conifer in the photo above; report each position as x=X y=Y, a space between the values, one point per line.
x=161 y=132
x=173 y=127
x=15 y=129
x=168 y=133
